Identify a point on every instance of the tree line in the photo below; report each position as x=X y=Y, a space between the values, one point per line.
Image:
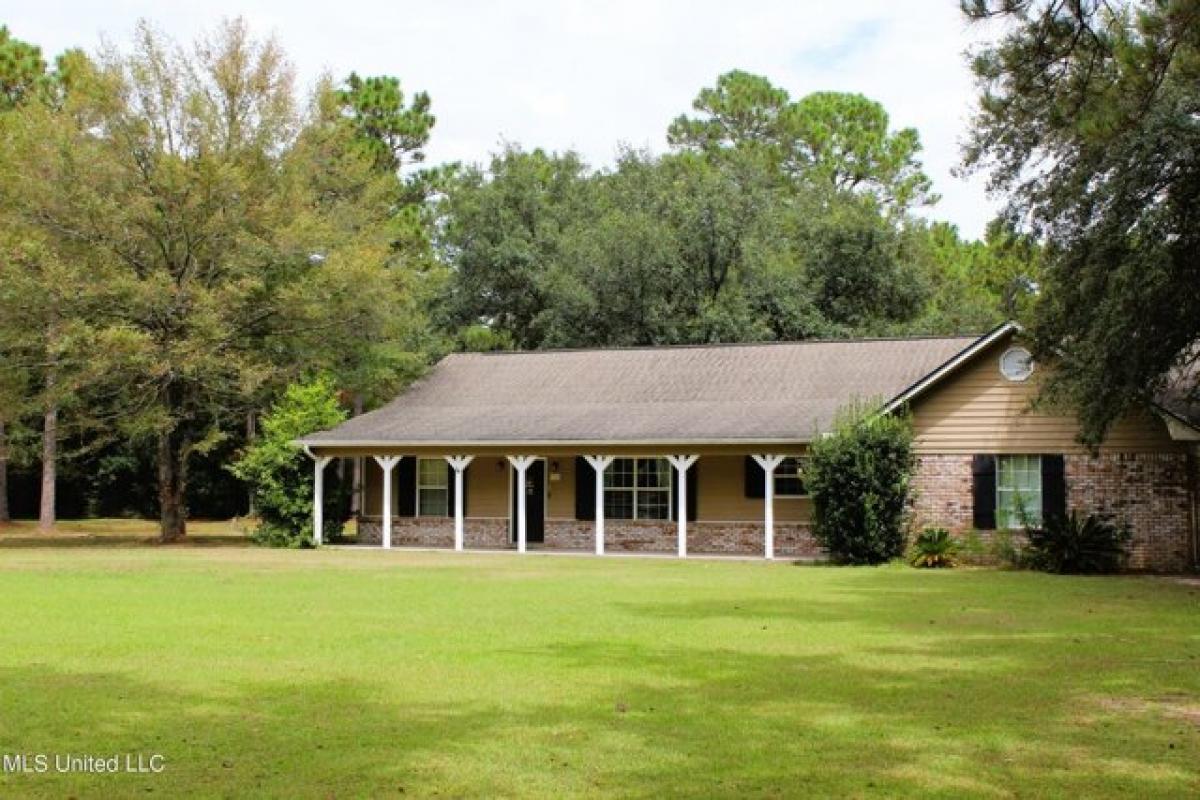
x=185 y=234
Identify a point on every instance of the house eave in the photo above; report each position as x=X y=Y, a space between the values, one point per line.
x=948 y=368
x=519 y=444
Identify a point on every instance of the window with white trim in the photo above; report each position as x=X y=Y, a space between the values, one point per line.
x=789 y=477
x=433 y=487
x=637 y=488
x=1018 y=491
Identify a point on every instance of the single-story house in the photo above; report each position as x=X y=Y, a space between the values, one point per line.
x=701 y=449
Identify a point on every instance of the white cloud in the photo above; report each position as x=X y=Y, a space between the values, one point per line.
x=590 y=75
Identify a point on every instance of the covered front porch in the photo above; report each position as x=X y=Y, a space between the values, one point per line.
x=709 y=500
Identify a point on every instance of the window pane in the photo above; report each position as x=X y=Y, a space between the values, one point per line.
x=433 y=502
x=653 y=473
x=788 y=480
x=618 y=504
x=619 y=473
x=654 y=504
x=1018 y=490
x=432 y=472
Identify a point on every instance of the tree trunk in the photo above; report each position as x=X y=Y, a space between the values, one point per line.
x=172 y=481
x=251 y=435
x=46 y=514
x=4 y=515
x=357 y=483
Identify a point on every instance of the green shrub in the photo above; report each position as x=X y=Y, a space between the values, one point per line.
x=933 y=548
x=1004 y=550
x=858 y=475
x=1095 y=544
x=972 y=548
x=280 y=475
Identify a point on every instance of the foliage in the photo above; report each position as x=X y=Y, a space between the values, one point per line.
x=671 y=249
x=1094 y=544
x=858 y=473
x=229 y=236
x=828 y=139
x=279 y=474
x=23 y=71
x=390 y=132
x=1087 y=120
x=934 y=548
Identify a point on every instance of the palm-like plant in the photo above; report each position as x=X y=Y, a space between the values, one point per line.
x=933 y=548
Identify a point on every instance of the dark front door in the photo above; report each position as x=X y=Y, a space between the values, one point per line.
x=535 y=502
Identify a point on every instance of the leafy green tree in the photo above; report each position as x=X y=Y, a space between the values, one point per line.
x=858 y=473
x=23 y=71
x=238 y=235
x=1087 y=120
x=843 y=139
x=45 y=285
x=742 y=112
x=501 y=231
x=832 y=139
x=391 y=133
x=860 y=276
x=279 y=474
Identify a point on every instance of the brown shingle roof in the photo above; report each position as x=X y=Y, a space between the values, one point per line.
x=717 y=393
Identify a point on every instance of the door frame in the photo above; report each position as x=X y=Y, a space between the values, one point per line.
x=512 y=508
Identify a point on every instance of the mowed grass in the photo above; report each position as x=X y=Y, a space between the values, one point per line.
x=344 y=673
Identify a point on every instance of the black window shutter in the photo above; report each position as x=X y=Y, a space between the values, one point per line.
x=466 y=494
x=585 y=489
x=674 y=514
x=693 y=493
x=1054 y=488
x=983 y=487
x=405 y=501
x=756 y=479
x=449 y=490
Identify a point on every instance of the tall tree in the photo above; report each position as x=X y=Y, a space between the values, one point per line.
x=23 y=71
x=38 y=312
x=243 y=235
x=392 y=134
x=830 y=138
x=1087 y=119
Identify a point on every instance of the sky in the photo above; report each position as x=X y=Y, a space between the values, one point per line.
x=591 y=76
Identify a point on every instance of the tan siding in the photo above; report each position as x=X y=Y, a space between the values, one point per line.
x=487 y=487
x=722 y=485
x=560 y=487
x=978 y=410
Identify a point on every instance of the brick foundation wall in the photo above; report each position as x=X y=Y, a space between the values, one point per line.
x=792 y=540
x=1147 y=490
x=478 y=533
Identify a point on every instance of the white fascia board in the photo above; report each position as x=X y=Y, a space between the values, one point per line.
x=918 y=388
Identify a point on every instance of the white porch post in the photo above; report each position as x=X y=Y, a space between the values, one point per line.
x=319 y=464
x=459 y=464
x=768 y=464
x=599 y=464
x=681 y=465
x=520 y=464
x=387 y=464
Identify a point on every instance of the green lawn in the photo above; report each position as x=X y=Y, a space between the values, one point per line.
x=347 y=673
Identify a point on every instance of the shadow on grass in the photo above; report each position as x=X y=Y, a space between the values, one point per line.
x=27 y=540
x=614 y=717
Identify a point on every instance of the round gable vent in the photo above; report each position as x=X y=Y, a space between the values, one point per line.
x=1016 y=364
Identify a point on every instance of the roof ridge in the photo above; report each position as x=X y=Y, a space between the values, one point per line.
x=716 y=345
